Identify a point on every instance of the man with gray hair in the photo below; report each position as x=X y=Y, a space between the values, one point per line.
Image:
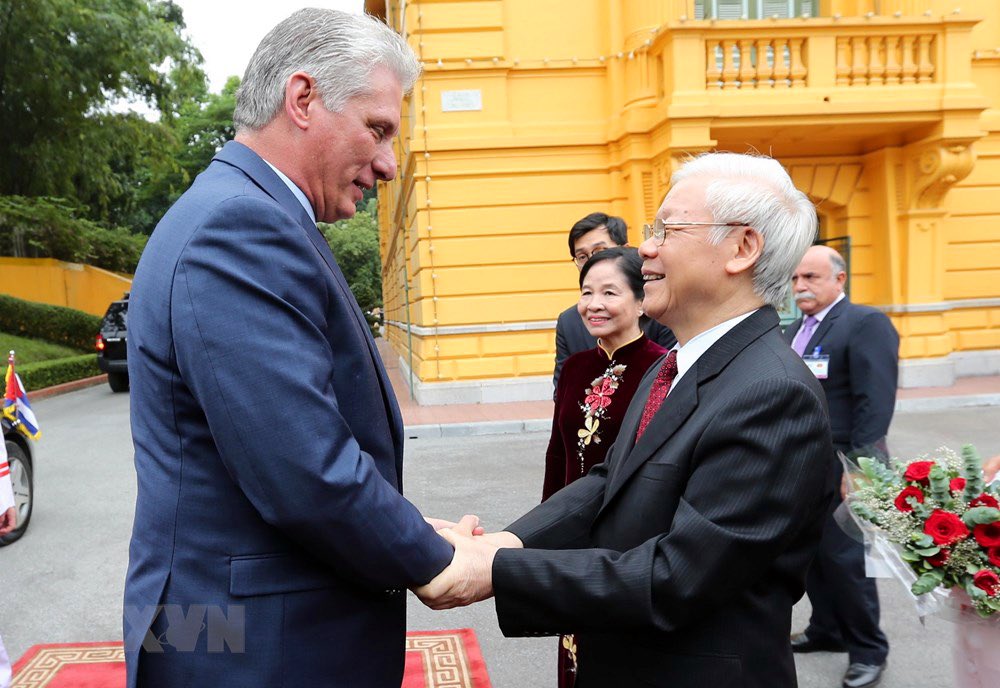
x=272 y=545
x=676 y=562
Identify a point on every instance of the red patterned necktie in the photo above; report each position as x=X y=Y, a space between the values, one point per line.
x=658 y=392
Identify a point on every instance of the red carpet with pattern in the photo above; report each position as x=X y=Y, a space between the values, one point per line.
x=434 y=659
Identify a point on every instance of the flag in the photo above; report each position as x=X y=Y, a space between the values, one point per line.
x=15 y=403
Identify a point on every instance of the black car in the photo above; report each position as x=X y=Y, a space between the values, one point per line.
x=21 y=472
x=111 y=355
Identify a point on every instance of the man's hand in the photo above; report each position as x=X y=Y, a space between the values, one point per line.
x=469 y=577
x=990 y=468
x=440 y=524
x=8 y=521
x=503 y=539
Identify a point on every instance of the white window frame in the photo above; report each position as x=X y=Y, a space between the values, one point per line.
x=711 y=8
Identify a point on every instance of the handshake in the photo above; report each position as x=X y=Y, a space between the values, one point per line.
x=469 y=576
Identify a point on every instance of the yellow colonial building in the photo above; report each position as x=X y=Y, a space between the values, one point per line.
x=529 y=115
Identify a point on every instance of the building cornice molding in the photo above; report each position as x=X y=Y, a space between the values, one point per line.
x=939 y=307
x=440 y=330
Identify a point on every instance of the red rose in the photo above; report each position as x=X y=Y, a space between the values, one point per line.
x=939 y=559
x=994 y=555
x=919 y=471
x=957 y=484
x=909 y=491
x=988 y=534
x=945 y=527
x=987 y=581
x=985 y=500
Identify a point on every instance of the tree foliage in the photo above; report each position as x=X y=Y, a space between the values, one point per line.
x=77 y=175
x=197 y=129
x=63 y=65
x=354 y=243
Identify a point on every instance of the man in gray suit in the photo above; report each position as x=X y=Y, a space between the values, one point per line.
x=587 y=236
x=676 y=562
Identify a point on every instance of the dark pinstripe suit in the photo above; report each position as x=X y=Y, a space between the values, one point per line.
x=677 y=560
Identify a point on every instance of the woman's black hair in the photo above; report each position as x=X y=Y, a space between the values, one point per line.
x=628 y=261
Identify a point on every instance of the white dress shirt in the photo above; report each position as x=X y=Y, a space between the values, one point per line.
x=295 y=190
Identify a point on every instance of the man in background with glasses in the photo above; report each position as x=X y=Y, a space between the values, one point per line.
x=594 y=233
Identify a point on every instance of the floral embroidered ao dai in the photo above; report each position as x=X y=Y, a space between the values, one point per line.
x=595 y=389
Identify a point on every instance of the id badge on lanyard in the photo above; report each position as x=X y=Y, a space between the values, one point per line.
x=818 y=364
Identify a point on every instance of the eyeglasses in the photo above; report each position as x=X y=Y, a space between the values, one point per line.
x=582 y=257
x=659 y=229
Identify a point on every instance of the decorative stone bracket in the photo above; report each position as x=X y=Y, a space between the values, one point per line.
x=936 y=167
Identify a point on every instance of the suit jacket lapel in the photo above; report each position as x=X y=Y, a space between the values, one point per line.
x=242 y=157
x=681 y=402
x=825 y=326
x=675 y=410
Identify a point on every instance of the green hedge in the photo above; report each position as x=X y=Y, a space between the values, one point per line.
x=37 y=376
x=54 y=324
x=46 y=227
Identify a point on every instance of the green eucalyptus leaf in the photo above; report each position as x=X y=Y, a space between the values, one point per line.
x=981 y=515
x=925 y=583
x=972 y=471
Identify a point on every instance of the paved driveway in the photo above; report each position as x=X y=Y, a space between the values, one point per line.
x=63 y=581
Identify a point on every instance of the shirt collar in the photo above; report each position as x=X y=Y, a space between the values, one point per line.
x=689 y=354
x=823 y=313
x=296 y=191
x=611 y=354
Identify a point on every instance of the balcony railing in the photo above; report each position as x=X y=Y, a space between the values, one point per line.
x=823 y=52
x=750 y=63
x=860 y=60
x=889 y=60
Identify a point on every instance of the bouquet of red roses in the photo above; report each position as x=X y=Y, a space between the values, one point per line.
x=940 y=516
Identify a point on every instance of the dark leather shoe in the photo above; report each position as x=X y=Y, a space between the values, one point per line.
x=803 y=643
x=863 y=675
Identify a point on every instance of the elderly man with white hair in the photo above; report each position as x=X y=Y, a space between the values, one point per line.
x=677 y=560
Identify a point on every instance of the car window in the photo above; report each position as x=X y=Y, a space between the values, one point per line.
x=116 y=317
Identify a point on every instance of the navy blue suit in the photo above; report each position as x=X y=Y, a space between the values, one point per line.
x=860 y=389
x=268 y=451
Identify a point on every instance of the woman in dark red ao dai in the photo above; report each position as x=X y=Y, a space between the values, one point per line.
x=596 y=386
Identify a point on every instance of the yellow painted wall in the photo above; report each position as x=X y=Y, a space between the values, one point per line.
x=51 y=281
x=890 y=123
